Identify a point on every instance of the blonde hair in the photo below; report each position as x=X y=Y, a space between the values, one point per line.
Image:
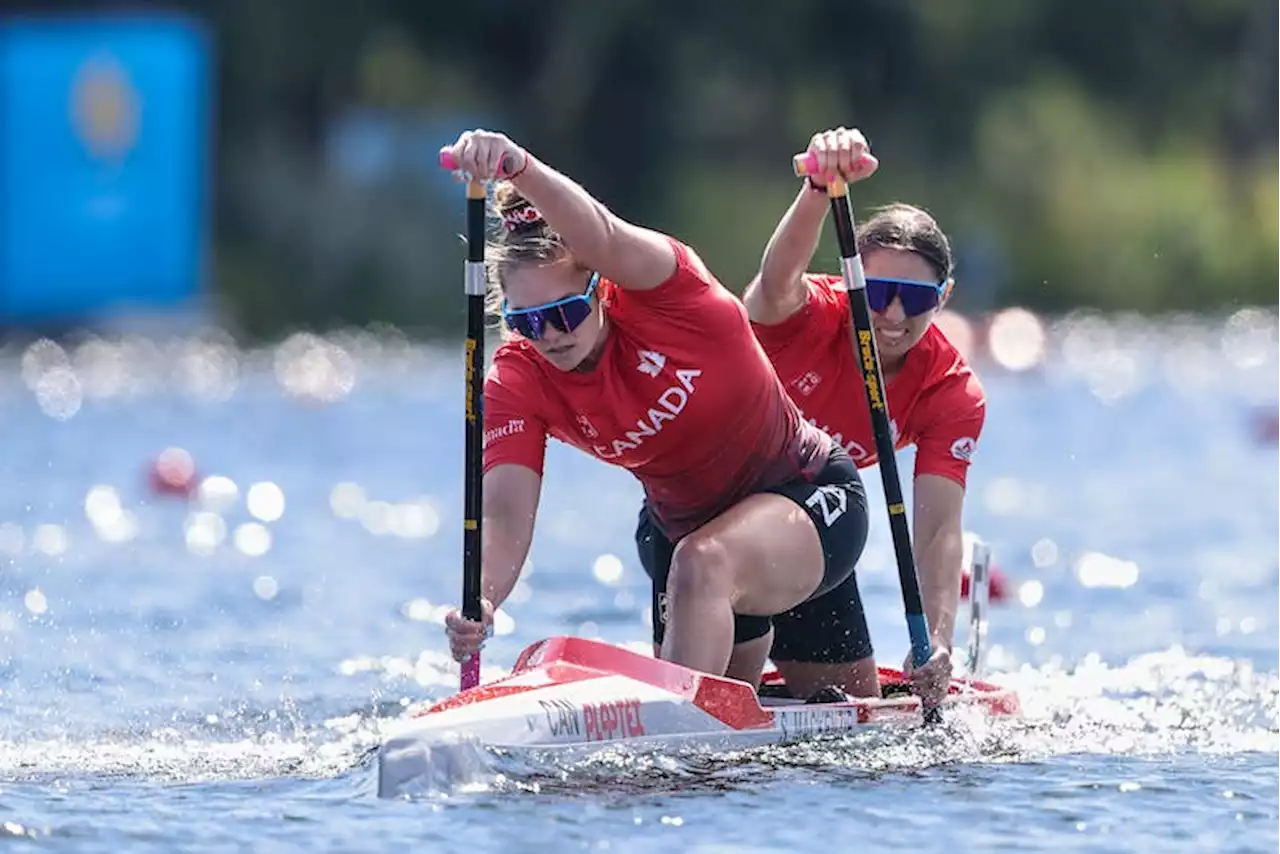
x=521 y=237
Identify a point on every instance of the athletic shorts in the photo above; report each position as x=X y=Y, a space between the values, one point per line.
x=830 y=626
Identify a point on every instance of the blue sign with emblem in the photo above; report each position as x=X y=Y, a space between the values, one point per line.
x=105 y=134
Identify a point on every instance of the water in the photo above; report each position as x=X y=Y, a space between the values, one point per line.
x=214 y=675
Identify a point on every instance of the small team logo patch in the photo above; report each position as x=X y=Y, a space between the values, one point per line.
x=963 y=448
x=651 y=362
x=588 y=429
x=807 y=383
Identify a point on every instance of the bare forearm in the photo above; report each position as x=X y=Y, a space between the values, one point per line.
x=939 y=565
x=778 y=290
x=510 y=509
x=791 y=248
x=585 y=224
x=503 y=558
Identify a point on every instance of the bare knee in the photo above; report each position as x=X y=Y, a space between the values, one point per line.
x=700 y=568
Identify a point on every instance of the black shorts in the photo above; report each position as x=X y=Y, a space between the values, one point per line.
x=828 y=627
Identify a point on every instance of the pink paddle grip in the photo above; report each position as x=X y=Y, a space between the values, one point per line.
x=448 y=161
x=806 y=163
x=471 y=671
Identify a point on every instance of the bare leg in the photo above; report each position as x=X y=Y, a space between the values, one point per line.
x=748 y=658
x=762 y=556
x=746 y=662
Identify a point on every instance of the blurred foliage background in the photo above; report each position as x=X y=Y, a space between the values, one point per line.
x=1115 y=155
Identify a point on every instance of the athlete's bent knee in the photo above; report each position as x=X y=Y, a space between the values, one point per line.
x=700 y=569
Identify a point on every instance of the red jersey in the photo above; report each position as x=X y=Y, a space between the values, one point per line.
x=935 y=401
x=683 y=396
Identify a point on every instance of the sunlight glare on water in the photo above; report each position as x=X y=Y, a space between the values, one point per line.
x=225 y=661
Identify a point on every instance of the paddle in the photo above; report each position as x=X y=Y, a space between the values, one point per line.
x=873 y=381
x=979 y=598
x=474 y=286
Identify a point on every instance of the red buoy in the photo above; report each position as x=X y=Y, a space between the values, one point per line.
x=998 y=589
x=173 y=472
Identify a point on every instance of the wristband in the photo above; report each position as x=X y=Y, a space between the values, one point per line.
x=523 y=166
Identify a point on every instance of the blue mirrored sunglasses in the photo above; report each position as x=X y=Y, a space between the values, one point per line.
x=917 y=297
x=564 y=314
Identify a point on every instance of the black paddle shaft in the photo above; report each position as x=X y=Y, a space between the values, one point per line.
x=474 y=448
x=868 y=358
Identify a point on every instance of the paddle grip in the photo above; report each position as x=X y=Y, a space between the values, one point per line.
x=806 y=163
x=470 y=672
x=449 y=162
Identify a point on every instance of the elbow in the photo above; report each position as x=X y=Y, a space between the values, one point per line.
x=604 y=232
x=771 y=299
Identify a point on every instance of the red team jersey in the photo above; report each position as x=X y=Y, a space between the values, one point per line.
x=935 y=401
x=683 y=396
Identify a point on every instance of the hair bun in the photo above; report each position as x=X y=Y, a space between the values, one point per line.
x=513 y=209
x=521 y=217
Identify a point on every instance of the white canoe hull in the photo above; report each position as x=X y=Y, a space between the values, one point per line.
x=573 y=696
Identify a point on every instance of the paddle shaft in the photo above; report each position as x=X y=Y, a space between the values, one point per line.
x=472 y=499
x=873 y=382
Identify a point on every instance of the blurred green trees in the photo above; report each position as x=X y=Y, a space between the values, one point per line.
x=1118 y=155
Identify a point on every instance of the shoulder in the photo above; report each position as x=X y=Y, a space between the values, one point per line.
x=690 y=270
x=689 y=263
x=826 y=291
x=951 y=386
x=513 y=354
x=825 y=307
x=690 y=285
x=515 y=371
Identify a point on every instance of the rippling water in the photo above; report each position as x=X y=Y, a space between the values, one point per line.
x=212 y=674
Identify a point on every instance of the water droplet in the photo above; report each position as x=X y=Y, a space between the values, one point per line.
x=102 y=505
x=1095 y=569
x=419 y=610
x=50 y=539
x=1016 y=339
x=265 y=587
x=218 y=493
x=35 y=601
x=265 y=501
x=1044 y=553
x=252 y=539
x=1031 y=593
x=347 y=500
x=204 y=532
x=417 y=520
x=607 y=569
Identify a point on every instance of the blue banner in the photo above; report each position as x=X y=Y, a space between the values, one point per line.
x=105 y=137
